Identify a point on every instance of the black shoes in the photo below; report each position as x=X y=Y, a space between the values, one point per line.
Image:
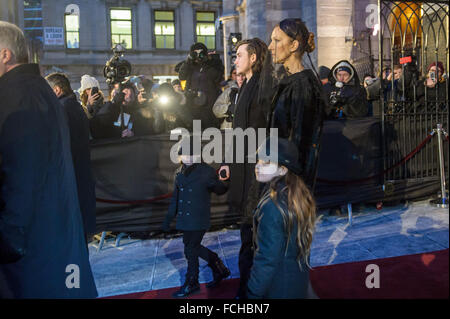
x=189 y=287
x=220 y=272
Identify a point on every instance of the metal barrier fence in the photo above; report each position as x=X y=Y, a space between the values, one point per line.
x=414 y=38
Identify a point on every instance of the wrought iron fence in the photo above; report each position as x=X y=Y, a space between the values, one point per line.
x=414 y=38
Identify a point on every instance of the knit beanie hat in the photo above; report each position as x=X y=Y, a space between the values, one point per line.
x=88 y=82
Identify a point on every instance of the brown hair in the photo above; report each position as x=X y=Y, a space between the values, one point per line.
x=297 y=30
x=258 y=47
x=301 y=209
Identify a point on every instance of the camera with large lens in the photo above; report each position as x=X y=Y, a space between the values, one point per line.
x=117 y=69
x=198 y=58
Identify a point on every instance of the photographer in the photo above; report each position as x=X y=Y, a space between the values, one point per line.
x=168 y=103
x=92 y=99
x=433 y=87
x=226 y=102
x=203 y=73
x=137 y=119
x=347 y=98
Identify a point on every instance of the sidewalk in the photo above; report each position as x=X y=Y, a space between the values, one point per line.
x=142 y=265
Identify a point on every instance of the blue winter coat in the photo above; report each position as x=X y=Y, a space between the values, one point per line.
x=275 y=273
x=39 y=211
x=191 y=198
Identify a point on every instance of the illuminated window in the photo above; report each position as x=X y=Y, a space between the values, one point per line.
x=72 y=24
x=121 y=27
x=206 y=29
x=164 y=30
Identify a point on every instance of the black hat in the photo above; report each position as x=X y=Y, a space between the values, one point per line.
x=324 y=72
x=286 y=154
x=188 y=139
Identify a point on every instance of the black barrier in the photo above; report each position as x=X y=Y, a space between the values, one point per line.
x=134 y=176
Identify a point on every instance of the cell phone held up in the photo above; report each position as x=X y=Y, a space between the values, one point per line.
x=94 y=90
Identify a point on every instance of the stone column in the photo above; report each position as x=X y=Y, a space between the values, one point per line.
x=144 y=26
x=185 y=26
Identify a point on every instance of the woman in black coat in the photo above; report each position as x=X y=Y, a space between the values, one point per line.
x=298 y=108
x=283 y=227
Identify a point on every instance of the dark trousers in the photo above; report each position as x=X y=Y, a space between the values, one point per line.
x=245 y=258
x=193 y=249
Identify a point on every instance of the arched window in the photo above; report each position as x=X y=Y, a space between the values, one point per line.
x=72 y=26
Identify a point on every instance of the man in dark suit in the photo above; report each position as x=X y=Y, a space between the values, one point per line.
x=42 y=248
x=79 y=145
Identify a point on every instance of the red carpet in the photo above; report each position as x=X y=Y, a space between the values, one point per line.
x=405 y=277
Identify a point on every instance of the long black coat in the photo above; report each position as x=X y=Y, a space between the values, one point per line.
x=298 y=111
x=244 y=189
x=40 y=210
x=275 y=273
x=191 y=197
x=81 y=155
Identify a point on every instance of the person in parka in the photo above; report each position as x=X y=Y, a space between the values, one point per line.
x=347 y=97
x=283 y=226
x=191 y=204
x=43 y=252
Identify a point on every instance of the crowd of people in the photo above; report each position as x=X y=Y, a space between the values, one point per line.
x=46 y=179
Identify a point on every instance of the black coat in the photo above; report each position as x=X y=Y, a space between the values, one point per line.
x=102 y=124
x=191 y=197
x=244 y=189
x=353 y=99
x=298 y=113
x=81 y=155
x=40 y=210
x=275 y=273
x=205 y=78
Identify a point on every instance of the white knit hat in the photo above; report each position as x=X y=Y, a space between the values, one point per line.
x=88 y=82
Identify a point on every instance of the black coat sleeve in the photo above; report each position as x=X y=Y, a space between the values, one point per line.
x=185 y=70
x=214 y=184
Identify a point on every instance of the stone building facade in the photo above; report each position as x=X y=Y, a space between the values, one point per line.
x=77 y=35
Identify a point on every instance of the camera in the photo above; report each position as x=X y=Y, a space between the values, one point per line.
x=116 y=69
x=335 y=98
x=197 y=97
x=198 y=57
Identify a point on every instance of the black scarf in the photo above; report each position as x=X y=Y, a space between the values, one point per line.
x=247 y=95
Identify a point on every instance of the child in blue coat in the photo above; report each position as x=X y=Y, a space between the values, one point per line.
x=191 y=205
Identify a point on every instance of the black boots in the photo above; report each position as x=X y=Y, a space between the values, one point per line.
x=190 y=286
x=220 y=272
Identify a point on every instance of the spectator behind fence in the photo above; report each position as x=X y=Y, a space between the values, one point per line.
x=138 y=120
x=176 y=84
x=43 y=253
x=168 y=102
x=226 y=102
x=92 y=98
x=79 y=145
x=433 y=86
x=392 y=90
x=347 y=98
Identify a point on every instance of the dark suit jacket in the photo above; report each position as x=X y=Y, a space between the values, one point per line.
x=191 y=198
x=81 y=155
x=40 y=210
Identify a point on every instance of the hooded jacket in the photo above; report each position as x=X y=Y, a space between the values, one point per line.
x=352 y=96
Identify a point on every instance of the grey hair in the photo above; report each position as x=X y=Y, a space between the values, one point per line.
x=12 y=38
